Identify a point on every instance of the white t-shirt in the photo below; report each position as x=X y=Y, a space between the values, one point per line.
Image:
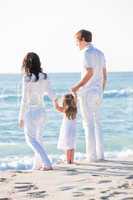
x=92 y=58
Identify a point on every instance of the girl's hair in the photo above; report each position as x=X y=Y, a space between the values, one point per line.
x=32 y=65
x=70 y=107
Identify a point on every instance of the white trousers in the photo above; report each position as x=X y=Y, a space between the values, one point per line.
x=90 y=111
x=33 y=127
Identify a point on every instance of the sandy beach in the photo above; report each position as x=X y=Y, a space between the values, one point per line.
x=101 y=180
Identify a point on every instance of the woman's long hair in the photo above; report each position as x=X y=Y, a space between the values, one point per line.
x=32 y=65
x=70 y=107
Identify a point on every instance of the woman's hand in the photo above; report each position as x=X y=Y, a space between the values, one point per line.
x=55 y=103
x=21 y=123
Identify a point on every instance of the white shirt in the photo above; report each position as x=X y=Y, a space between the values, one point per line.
x=33 y=92
x=92 y=58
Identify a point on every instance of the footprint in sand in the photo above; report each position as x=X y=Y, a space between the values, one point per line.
x=105 y=197
x=125 y=186
x=113 y=194
x=104 y=181
x=24 y=187
x=37 y=194
x=95 y=175
x=2 y=179
x=88 y=188
x=105 y=191
x=21 y=183
x=78 y=194
x=117 y=193
x=66 y=188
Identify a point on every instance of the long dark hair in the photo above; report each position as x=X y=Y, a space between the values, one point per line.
x=32 y=65
x=70 y=107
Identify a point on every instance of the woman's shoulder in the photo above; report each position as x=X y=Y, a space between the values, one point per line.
x=43 y=76
x=26 y=78
x=32 y=77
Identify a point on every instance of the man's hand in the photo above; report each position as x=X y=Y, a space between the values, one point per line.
x=21 y=123
x=74 y=89
x=84 y=80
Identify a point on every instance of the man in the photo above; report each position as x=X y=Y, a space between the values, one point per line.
x=90 y=91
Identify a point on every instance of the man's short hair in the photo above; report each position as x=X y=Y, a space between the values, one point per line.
x=84 y=34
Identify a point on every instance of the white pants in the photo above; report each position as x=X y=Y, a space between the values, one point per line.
x=90 y=111
x=33 y=126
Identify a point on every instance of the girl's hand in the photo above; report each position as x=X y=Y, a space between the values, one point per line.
x=57 y=106
x=74 y=89
x=21 y=123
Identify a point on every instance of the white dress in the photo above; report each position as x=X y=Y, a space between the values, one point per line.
x=67 y=137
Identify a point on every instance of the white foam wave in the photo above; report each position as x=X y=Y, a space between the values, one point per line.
x=119 y=93
x=25 y=163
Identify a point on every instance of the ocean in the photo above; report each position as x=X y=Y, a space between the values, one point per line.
x=116 y=119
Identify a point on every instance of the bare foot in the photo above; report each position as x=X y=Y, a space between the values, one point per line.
x=46 y=168
x=70 y=162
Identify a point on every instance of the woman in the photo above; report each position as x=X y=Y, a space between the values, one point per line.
x=32 y=114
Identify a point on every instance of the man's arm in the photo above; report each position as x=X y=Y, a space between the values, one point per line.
x=104 y=77
x=84 y=80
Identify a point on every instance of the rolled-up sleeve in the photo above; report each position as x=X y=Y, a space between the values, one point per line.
x=23 y=103
x=92 y=59
x=103 y=61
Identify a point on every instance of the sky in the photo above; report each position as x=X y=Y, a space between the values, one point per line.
x=47 y=27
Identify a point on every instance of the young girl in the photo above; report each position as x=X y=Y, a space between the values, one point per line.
x=68 y=128
x=32 y=113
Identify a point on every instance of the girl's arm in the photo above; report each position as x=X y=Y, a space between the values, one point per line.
x=75 y=96
x=59 y=108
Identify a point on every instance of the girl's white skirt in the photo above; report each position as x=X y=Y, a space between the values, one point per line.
x=67 y=137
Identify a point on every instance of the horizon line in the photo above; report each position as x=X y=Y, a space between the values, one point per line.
x=65 y=72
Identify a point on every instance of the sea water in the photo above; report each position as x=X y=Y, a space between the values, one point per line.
x=116 y=119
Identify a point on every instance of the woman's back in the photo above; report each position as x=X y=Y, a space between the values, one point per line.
x=33 y=91
x=37 y=89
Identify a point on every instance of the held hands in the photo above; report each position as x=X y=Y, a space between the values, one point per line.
x=57 y=106
x=21 y=123
x=74 y=89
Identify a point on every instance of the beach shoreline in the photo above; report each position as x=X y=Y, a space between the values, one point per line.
x=101 y=180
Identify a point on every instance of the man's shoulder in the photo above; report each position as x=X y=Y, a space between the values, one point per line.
x=94 y=50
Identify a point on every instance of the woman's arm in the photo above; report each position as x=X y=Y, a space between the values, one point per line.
x=48 y=90
x=23 y=103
